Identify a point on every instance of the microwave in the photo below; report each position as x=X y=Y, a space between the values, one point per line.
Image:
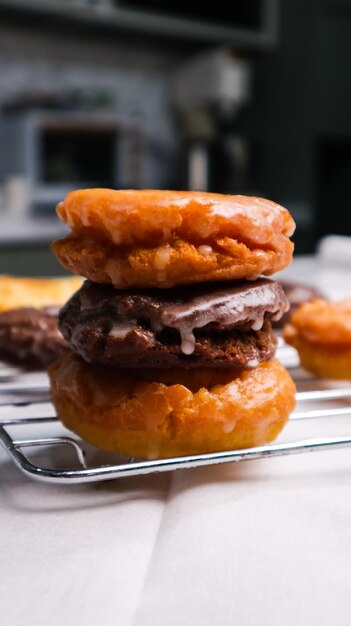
x=50 y=153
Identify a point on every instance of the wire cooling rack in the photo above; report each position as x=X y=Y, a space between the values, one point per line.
x=25 y=406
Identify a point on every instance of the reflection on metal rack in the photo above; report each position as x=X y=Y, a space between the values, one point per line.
x=21 y=406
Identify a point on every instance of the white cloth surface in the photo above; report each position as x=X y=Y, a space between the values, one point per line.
x=262 y=542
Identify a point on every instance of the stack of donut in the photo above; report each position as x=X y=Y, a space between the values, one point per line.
x=173 y=349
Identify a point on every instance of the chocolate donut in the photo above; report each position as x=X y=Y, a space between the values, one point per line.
x=28 y=317
x=31 y=336
x=222 y=325
x=297 y=293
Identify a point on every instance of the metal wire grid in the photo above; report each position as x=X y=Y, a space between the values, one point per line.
x=20 y=409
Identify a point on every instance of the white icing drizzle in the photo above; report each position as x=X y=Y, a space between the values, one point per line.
x=121 y=329
x=252 y=363
x=187 y=340
x=205 y=250
x=252 y=277
x=225 y=309
x=162 y=257
x=258 y=322
x=85 y=219
x=229 y=426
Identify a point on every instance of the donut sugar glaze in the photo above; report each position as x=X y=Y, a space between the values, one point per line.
x=161 y=238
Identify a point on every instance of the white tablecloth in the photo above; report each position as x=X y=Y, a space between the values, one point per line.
x=262 y=542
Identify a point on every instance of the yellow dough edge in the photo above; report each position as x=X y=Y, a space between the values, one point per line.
x=324 y=361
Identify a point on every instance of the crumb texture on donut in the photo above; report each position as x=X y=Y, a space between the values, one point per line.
x=157 y=413
x=163 y=238
x=126 y=267
x=18 y=292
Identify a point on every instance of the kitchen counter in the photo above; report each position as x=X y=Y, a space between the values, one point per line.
x=262 y=542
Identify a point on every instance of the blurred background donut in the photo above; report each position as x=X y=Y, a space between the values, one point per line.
x=28 y=318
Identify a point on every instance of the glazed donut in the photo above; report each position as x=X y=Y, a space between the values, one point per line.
x=154 y=413
x=17 y=292
x=321 y=333
x=158 y=238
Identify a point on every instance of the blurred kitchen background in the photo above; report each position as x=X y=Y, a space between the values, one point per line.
x=250 y=97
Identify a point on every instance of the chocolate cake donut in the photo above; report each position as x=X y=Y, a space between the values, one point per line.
x=31 y=335
x=28 y=317
x=216 y=325
x=297 y=294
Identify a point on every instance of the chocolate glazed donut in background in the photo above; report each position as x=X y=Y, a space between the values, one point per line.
x=297 y=293
x=31 y=336
x=173 y=348
x=29 y=307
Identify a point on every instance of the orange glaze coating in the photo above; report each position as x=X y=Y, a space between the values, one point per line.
x=157 y=414
x=163 y=238
x=321 y=321
x=321 y=333
x=17 y=292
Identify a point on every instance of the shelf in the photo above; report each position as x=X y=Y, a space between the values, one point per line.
x=103 y=14
x=18 y=230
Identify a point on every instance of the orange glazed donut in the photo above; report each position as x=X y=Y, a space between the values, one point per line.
x=17 y=292
x=321 y=333
x=157 y=413
x=153 y=238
